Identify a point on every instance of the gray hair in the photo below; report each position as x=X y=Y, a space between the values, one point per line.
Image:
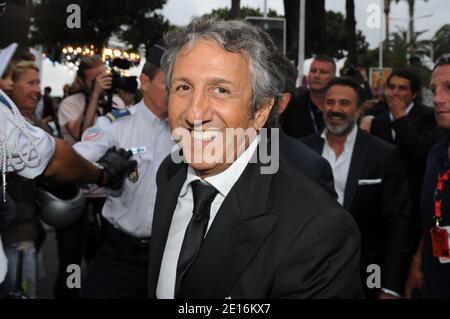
x=254 y=44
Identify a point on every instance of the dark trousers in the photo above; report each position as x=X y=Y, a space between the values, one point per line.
x=116 y=273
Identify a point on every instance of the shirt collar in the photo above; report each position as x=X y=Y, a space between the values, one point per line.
x=142 y=108
x=225 y=180
x=351 y=138
x=408 y=109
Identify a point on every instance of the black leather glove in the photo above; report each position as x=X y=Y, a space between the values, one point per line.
x=117 y=167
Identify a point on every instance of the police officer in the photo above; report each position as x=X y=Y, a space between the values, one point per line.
x=119 y=269
x=29 y=151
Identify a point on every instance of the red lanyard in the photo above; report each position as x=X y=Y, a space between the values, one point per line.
x=438 y=192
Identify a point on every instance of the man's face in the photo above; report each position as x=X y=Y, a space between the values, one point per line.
x=26 y=91
x=400 y=88
x=154 y=93
x=320 y=73
x=91 y=74
x=340 y=109
x=210 y=92
x=440 y=86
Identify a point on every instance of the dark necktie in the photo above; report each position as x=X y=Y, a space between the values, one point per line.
x=204 y=194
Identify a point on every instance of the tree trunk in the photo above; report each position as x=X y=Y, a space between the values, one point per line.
x=314 y=30
x=387 y=43
x=412 y=46
x=235 y=12
x=350 y=25
x=387 y=11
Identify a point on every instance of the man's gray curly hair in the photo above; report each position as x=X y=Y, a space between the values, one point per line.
x=254 y=44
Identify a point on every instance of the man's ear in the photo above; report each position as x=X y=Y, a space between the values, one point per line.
x=284 y=102
x=145 y=81
x=262 y=114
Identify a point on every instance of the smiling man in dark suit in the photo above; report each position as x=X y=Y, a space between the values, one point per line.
x=370 y=183
x=228 y=228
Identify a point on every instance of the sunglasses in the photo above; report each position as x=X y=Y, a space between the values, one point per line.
x=442 y=60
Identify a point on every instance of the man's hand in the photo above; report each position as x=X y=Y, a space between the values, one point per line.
x=415 y=280
x=366 y=123
x=117 y=167
x=396 y=106
x=102 y=83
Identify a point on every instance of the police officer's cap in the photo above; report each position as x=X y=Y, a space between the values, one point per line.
x=155 y=54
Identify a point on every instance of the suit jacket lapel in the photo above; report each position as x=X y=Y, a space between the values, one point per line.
x=414 y=114
x=317 y=144
x=166 y=201
x=356 y=165
x=235 y=236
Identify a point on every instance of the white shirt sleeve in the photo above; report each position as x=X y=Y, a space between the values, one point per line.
x=23 y=142
x=70 y=109
x=95 y=140
x=3 y=263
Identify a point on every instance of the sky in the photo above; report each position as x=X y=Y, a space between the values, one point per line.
x=179 y=12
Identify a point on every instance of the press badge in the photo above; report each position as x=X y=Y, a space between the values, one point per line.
x=440 y=242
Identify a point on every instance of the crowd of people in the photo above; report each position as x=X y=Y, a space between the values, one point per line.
x=361 y=181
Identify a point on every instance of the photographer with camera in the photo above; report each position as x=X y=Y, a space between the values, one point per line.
x=78 y=111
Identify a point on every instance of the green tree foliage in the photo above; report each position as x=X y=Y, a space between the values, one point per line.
x=225 y=13
x=398 y=54
x=336 y=37
x=441 y=41
x=399 y=48
x=134 y=22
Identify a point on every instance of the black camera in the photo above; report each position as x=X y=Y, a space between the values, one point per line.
x=125 y=83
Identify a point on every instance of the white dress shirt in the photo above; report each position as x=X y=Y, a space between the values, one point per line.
x=341 y=164
x=392 y=118
x=3 y=263
x=132 y=212
x=223 y=182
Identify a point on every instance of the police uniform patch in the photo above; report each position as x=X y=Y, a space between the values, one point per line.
x=92 y=134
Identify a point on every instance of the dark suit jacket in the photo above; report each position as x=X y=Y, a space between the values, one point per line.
x=275 y=236
x=415 y=135
x=381 y=210
x=308 y=162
